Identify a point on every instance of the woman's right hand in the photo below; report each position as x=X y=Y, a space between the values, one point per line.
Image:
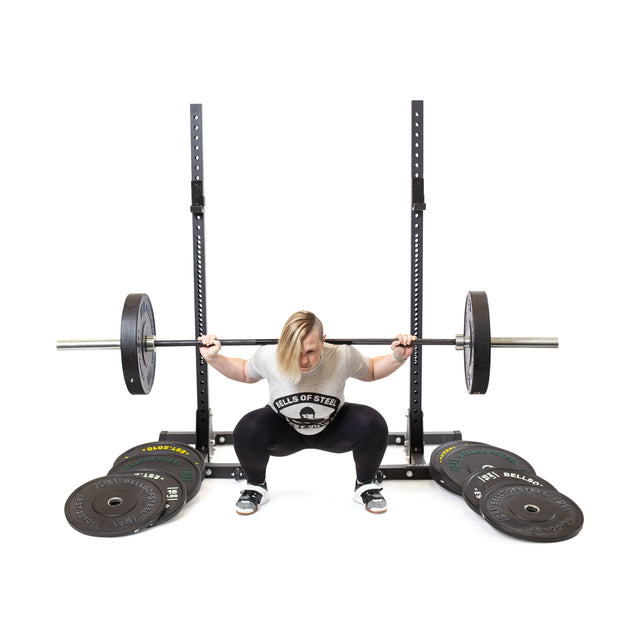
x=211 y=346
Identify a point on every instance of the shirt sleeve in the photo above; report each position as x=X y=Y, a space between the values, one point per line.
x=357 y=363
x=255 y=365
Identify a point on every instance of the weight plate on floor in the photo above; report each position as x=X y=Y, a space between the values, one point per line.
x=138 y=364
x=175 y=491
x=532 y=513
x=478 y=483
x=164 y=446
x=437 y=455
x=457 y=465
x=477 y=332
x=181 y=467
x=115 y=505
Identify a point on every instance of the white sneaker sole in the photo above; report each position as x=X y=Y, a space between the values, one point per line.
x=249 y=510
x=377 y=510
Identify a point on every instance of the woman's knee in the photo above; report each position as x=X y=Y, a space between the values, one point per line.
x=369 y=420
x=251 y=426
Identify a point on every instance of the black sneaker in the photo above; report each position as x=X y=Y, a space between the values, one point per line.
x=250 y=498
x=369 y=495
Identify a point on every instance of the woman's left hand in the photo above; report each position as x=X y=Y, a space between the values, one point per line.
x=402 y=346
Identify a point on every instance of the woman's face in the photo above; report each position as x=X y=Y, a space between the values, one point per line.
x=311 y=352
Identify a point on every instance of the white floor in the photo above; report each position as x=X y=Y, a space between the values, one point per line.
x=312 y=562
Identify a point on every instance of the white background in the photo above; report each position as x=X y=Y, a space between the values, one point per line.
x=531 y=171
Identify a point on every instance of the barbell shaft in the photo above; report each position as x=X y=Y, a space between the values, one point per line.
x=459 y=342
x=263 y=341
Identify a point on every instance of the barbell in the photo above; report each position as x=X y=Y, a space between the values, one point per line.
x=138 y=343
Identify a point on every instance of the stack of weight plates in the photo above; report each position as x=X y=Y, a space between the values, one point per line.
x=147 y=485
x=504 y=489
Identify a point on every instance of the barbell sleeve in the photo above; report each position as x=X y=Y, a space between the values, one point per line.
x=88 y=345
x=526 y=343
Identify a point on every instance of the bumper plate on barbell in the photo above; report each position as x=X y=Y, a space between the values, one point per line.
x=477 y=334
x=138 y=363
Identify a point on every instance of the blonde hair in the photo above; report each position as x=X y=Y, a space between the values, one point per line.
x=295 y=330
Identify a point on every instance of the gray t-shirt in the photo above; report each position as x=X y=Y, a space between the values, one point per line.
x=311 y=404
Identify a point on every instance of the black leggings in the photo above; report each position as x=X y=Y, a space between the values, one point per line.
x=357 y=427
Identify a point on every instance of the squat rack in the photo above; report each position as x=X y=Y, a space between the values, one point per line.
x=414 y=438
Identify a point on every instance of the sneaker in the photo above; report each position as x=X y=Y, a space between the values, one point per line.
x=250 y=498
x=369 y=495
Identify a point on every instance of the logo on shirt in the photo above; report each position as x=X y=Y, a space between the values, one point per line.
x=308 y=413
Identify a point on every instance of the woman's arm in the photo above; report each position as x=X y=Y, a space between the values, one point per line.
x=383 y=366
x=232 y=368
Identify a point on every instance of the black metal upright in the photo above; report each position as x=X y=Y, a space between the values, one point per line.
x=203 y=412
x=415 y=431
x=415 y=437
